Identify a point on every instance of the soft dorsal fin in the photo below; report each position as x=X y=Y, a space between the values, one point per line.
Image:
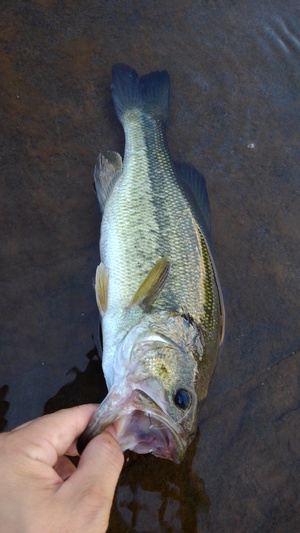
x=108 y=169
x=152 y=286
x=195 y=183
x=101 y=288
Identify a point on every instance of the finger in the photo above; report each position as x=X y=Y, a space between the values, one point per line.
x=64 y=467
x=99 y=469
x=50 y=436
x=22 y=426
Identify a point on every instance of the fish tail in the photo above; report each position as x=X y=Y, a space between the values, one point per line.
x=149 y=94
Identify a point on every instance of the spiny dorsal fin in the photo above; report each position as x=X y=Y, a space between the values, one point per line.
x=221 y=299
x=152 y=286
x=195 y=183
x=101 y=288
x=108 y=169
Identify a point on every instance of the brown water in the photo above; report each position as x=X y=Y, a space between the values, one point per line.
x=234 y=68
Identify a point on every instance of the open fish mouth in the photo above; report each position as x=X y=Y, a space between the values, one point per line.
x=140 y=424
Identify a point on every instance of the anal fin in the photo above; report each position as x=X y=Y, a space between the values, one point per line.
x=108 y=169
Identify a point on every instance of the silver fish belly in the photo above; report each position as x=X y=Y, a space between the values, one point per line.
x=156 y=287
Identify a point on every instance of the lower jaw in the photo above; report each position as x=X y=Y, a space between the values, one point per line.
x=140 y=423
x=143 y=433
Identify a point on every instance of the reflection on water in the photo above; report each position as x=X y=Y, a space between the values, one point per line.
x=153 y=494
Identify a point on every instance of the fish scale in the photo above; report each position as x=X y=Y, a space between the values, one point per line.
x=145 y=200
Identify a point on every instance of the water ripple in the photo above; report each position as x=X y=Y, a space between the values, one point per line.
x=283 y=33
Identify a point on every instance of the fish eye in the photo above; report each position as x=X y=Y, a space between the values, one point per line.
x=182 y=399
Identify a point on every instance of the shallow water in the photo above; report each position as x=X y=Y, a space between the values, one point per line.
x=234 y=69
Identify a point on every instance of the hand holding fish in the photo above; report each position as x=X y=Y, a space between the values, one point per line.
x=41 y=489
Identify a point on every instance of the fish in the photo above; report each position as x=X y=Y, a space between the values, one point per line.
x=157 y=288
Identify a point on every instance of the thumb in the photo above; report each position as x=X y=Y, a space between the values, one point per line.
x=98 y=471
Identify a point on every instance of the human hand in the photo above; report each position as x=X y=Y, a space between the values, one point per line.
x=41 y=491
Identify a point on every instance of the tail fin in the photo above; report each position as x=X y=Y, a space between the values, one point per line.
x=150 y=93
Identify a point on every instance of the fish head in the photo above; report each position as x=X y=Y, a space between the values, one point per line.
x=153 y=402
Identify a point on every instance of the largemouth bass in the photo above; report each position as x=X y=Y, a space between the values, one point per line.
x=156 y=287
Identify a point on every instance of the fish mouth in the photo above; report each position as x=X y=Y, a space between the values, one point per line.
x=140 y=424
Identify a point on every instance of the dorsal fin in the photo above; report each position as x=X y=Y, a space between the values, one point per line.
x=108 y=169
x=196 y=185
x=221 y=299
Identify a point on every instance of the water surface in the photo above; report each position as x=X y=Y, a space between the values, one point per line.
x=234 y=69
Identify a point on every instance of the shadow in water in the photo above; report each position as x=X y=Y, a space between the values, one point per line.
x=153 y=494
x=158 y=495
x=4 y=406
x=87 y=387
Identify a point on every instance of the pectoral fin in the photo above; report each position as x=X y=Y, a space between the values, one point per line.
x=101 y=288
x=150 y=289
